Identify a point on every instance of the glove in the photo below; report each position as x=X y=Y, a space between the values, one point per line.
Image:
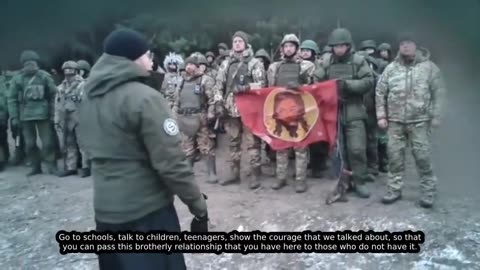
x=241 y=89
x=293 y=86
x=199 y=224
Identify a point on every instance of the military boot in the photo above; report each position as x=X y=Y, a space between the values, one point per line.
x=212 y=170
x=52 y=169
x=427 y=200
x=391 y=196
x=234 y=176
x=370 y=177
x=18 y=157
x=253 y=181
x=300 y=186
x=36 y=169
x=84 y=172
x=65 y=173
x=279 y=183
x=361 y=190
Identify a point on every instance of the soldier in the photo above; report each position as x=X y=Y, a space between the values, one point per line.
x=385 y=52
x=325 y=53
x=83 y=68
x=291 y=72
x=211 y=59
x=206 y=67
x=318 y=151
x=309 y=50
x=355 y=78
x=223 y=53
x=66 y=119
x=4 y=151
x=239 y=73
x=172 y=65
x=195 y=111
x=412 y=110
x=31 y=104
x=368 y=49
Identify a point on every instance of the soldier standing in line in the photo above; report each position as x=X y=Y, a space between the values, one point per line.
x=31 y=104
x=355 y=78
x=195 y=111
x=170 y=82
x=83 y=68
x=68 y=97
x=4 y=151
x=292 y=71
x=239 y=73
x=413 y=109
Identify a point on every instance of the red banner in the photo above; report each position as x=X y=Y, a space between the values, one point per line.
x=287 y=118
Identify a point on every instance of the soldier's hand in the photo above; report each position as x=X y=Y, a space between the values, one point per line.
x=383 y=123
x=199 y=224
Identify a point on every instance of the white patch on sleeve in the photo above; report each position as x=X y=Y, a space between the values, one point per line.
x=170 y=126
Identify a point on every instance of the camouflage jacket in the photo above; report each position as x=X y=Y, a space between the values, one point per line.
x=67 y=100
x=256 y=71
x=169 y=85
x=410 y=93
x=32 y=97
x=206 y=85
x=307 y=69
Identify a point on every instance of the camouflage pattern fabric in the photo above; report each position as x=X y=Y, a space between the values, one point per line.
x=235 y=129
x=169 y=85
x=66 y=119
x=418 y=135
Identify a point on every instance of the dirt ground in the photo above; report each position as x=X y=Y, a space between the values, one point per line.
x=34 y=209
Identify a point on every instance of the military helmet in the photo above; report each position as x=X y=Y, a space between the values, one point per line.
x=290 y=38
x=211 y=54
x=262 y=53
x=340 y=36
x=311 y=45
x=222 y=45
x=82 y=64
x=368 y=44
x=384 y=47
x=193 y=59
x=70 y=64
x=29 y=55
x=201 y=59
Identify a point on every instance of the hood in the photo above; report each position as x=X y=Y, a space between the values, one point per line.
x=111 y=71
x=422 y=55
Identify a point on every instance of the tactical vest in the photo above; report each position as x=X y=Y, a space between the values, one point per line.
x=191 y=96
x=237 y=75
x=288 y=73
x=33 y=89
x=71 y=96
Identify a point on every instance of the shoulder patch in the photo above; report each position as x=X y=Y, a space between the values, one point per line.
x=170 y=126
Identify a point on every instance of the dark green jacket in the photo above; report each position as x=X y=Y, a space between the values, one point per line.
x=32 y=97
x=127 y=130
x=353 y=107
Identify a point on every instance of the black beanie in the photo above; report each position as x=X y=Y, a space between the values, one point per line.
x=241 y=35
x=126 y=43
x=407 y=36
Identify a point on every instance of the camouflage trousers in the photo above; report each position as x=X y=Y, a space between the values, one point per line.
x=301 y=162
x=418 y=135
x=85 y=158
x=235 y=130
x=170 y=97
x=68 y=146
x=204 y=141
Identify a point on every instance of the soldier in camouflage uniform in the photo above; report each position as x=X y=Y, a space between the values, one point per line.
x=223 y=53
x=31 y=103
x=409 y=98
x=355 y=78
x=66 y=119
x=4 y=151
x=385 y=52
x=325 y=53
x=291 y=72
x=318 y=151
x=172 y=78
x=83 y=68
x=195 y=111
x=239 y=73
x=85 y=171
